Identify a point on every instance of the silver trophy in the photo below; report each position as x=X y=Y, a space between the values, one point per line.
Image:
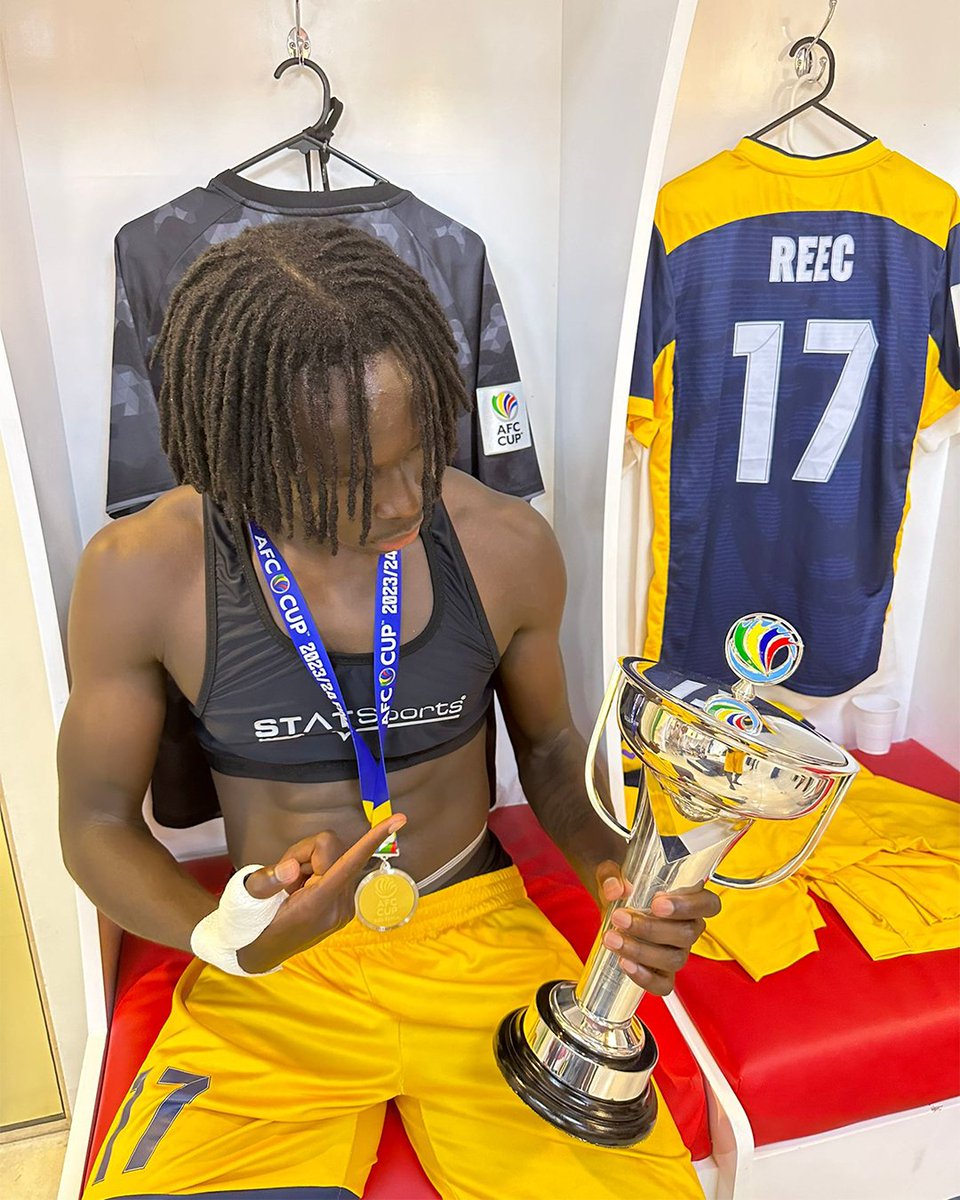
x=717 y=760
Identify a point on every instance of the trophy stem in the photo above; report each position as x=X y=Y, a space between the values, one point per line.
x=653 y=864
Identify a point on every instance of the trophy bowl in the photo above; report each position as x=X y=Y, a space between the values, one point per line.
x=723 y=758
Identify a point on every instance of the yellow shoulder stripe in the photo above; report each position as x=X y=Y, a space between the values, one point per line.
x=755 y=180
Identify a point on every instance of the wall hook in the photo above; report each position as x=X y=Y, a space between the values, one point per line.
x=803 y=59
x=298 y=40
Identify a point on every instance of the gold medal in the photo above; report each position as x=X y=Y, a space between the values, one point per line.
x=386 y=899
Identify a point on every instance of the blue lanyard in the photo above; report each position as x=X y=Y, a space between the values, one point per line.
x=299 y=623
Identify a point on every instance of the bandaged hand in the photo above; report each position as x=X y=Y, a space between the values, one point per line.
x=268 y=914
x=653 y=946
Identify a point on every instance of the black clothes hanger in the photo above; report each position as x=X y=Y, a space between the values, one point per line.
x=300 y=61
x=317 y=137
x=816 y=101
x=321 y=133
x=314 y=137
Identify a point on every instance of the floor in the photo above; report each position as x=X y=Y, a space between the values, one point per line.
x=30 y=1168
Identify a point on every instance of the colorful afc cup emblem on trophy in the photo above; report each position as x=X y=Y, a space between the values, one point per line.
x=738 y=714
x=762 y=649
x=279 y=584
x=505 y=405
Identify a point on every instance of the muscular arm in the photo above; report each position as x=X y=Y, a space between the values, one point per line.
x=533 y=694
x=651 y=947
x=108 y=744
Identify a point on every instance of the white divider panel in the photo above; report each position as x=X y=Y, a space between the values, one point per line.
x=612 y=643
x=32 y=698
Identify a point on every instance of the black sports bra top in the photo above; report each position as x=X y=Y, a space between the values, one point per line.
x=260 y=714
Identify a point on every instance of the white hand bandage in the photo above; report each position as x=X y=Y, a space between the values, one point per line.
x=238 y=920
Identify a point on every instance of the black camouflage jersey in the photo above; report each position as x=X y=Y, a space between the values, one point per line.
x=154 y=251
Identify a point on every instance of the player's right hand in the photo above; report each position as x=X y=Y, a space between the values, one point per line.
x=319 y=877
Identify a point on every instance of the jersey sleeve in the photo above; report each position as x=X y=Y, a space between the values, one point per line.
x=152 y=252
x=504 y=457
x=942 y=392
x=651 y=379
x=137 y=470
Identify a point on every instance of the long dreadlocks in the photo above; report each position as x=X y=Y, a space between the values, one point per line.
x=252 y=334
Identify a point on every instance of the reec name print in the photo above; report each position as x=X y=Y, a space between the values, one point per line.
x=811 y=259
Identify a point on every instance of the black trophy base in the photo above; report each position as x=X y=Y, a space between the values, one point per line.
x=599 y=1122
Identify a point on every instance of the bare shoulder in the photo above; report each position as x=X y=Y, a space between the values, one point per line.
x=132 y=569
x=507 y=529
x=512 y=551
x=165 y=536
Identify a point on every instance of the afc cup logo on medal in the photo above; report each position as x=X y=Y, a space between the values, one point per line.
x=387 y=900
x=279 y=584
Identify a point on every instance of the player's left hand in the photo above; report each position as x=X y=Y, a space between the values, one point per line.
x=652 y=947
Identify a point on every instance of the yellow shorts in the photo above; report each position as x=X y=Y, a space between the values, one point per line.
x=268 y=1084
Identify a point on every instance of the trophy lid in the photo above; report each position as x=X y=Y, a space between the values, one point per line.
x=756 y=725
x=721 y=741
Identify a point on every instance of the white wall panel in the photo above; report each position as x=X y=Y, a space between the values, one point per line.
x=935 y=705
x=614 y=58
x=26 y=335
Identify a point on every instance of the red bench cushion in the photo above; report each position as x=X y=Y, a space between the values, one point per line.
x=836 y=1038
x=147 y=974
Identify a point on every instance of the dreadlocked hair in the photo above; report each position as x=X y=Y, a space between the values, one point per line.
x=252 y=333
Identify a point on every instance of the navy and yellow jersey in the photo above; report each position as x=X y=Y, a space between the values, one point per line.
x=796 y=331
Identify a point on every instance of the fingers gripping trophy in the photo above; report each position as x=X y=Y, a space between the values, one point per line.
x=723 y=759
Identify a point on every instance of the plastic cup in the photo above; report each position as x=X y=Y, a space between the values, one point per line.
x=874 y=717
